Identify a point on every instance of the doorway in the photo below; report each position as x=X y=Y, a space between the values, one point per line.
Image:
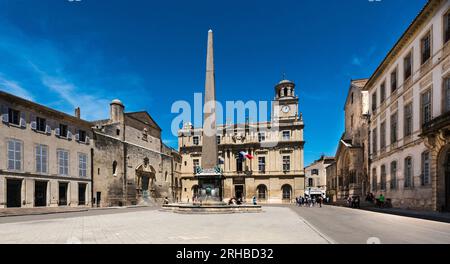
x=98 y=198
x=239 y=191
x=13 y=193
x=81 y=193
x=40 y=193
x=63 y=186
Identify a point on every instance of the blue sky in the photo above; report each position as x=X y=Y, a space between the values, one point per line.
x=151 y=53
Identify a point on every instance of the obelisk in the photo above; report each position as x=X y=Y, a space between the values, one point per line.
x=209 y=146
x=210 y=176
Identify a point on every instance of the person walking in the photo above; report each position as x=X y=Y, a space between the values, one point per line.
x=319 y=201
x=254 y=200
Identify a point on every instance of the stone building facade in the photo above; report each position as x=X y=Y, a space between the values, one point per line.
x=45 y=156
x=409 y=102
x=352 y=161
x=274 y=175
x=131 y=164
x=316 y=176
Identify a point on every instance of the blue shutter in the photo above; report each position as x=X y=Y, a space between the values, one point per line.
x=57 y=132
x=23 y=122
x=48 y=129
x=5 y=116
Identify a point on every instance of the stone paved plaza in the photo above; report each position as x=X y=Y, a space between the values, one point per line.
x=274 y=225
x=277 y=224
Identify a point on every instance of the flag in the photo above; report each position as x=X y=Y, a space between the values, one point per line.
x=244 y=154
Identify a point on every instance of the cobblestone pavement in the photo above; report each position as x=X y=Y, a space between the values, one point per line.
x=277 y=225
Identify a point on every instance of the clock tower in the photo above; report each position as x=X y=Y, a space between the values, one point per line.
x=285 y=104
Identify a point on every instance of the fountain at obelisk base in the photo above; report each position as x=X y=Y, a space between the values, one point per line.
x=209 y=176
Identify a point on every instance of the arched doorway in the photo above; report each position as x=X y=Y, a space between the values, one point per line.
x=447 y=180
x=261 y=192
x=287 y=193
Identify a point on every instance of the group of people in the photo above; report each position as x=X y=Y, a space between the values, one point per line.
x=239 y=201
x=380 y=201
x=309 y=201
x=353 y=201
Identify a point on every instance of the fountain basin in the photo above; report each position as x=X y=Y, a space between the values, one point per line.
x=211 y=208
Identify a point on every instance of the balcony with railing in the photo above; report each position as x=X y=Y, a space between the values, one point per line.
x=436 y=124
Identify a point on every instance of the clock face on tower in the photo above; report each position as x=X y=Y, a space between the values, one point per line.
x=285 y=109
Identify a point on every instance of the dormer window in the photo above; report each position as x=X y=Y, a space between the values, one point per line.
x=63 y=130
x=41 y=124
x=13 y=116
x=81 y=135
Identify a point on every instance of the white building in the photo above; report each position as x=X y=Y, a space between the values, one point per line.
x=316 y=176
x=407 y=91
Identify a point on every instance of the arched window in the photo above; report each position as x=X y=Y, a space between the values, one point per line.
x=287 y=192
x=408 y=172
x=285 y=91
x=261 y=192
x=114 y=168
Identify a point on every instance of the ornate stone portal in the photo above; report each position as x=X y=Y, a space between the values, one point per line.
x=145 y=177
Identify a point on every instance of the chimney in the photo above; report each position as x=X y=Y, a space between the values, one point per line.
x=77 y=112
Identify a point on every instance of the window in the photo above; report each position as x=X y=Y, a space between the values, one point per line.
x=14 y=155
x=374 y=179
x=261 y=137
x=394 y=80
x=425 y=177
x=374 y=141
x=81 y=135
x=407 y=66
x=41 y=124
x=408 y=126
x=63 y=162
x=426 y=107
x=118 y=132
x=374 y=102
x=286 y=135
x=447 y=27
x=262 y=164
x=408 y=172
x=382 y=92
x=63 y=130
x=394 y=128
x=393 y=175
x=351 y=122
x=352 y=98
x=310 y=182
x=314 y=172
x=239 y=164
x=383 y=135
x=114 y=168
x=196 y=139
x=425 y=46
x=286 y=163
x=447 y=94
x=82 y=166
x=13 y=116
x=383 y=178
x=196 y=163
x=41 y=158
x=218 y=140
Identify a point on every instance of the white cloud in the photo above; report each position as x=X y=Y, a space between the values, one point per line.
x=14 y=88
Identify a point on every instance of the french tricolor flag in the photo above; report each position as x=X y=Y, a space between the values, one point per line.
x=245 y=155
